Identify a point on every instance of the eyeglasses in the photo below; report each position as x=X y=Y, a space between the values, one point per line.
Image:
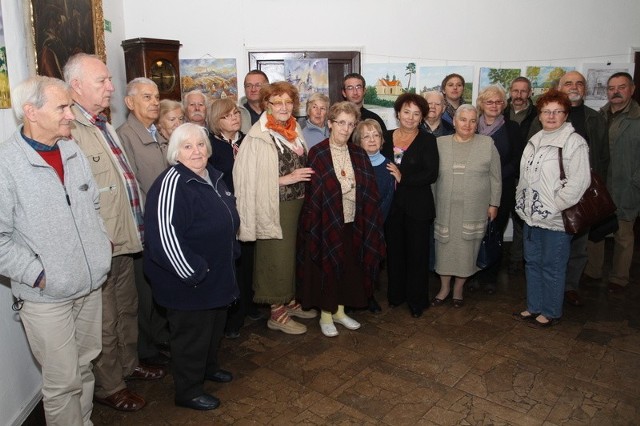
x=357 y=88
x=287 y=103
x=549 y=112
x=371 y=136
x=491 y=103
x=231 y=115
x=434 y=104
x=253 y=86
x=343 y=123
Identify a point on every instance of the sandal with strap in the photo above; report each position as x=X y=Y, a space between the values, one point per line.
x=123 y=400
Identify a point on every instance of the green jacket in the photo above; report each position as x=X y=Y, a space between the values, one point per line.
x=624 y=173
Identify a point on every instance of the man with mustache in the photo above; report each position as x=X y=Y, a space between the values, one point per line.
x=121 y=210
x=146 y=151
x=622 y=115
x=593 y=128
x=195 y=107
x=520 y=109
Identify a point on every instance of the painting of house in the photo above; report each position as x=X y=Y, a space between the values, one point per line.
x=388 y=89
x=544 y=78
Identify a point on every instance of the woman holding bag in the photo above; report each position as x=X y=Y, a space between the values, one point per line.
x=541 y=196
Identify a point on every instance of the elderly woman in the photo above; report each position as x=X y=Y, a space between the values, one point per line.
x=433 y=123
x=190 y=248
x=269 y=176
x=368 y=136
x=541 y=196
x=453 y=89
x=340 y=238
x=224 y=122
x=315 y=128
x=170 y=117
x=506 y=137
x=407 y=227
x=467 y=193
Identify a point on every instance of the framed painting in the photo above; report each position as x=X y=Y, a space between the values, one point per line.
x=62 y=28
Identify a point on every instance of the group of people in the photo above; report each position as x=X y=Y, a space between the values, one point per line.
x=172 y=229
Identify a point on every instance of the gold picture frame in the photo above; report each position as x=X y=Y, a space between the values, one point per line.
x=61 y=28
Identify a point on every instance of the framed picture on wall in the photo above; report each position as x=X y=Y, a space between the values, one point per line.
x=62 y=28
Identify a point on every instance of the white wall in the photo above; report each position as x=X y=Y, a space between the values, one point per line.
x=510 y=33
x=19 y=374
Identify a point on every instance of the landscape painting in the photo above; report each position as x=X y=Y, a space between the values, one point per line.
x=308 y=76
x=498 y=76
x=430 y=78
x=216 y=78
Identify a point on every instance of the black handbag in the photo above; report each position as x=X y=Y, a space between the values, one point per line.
x=599 y=231
x=595 y=206
x=490 y=247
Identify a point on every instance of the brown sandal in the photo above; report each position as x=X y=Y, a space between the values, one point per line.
x=146 y=372
x=123 y=400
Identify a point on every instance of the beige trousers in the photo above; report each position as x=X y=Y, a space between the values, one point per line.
x=65 y=338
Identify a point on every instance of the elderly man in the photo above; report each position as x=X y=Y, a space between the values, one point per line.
x=146 y=152
x=195 y=107
x=520 y=109
x=622 y=115
x=250 y=106
x=121 y=210
x=433 y=123
x=353 y=88
x=593 y=128
x=53 y=246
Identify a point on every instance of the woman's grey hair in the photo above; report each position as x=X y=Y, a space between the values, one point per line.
x=32 y=91
x=317 y=97
x=465 y=107
x=183 y=133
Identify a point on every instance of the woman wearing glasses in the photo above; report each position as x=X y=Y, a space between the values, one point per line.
x=505 y=133
x=407 y=227
x=541 y=196
x=341 y=241
x=269 y=177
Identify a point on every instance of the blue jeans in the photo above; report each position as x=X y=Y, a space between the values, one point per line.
x=546 y=254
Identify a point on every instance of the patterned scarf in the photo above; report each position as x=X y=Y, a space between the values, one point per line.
x=288 y=131
x=490 y=129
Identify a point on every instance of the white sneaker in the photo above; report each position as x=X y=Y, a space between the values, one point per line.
x=348 y=322
x=329 y=329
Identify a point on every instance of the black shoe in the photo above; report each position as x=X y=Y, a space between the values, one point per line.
x=159 y=360
x=416 y=312
x=220 y=376
x=203 y=402
x=374 y=306
x=232 y=334
x=255 y=315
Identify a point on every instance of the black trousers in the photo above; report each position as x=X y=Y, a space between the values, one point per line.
x=153 y=327
x=244 y=304
x=407 y=259
x=195 y=340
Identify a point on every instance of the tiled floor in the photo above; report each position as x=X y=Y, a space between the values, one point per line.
x=474 y=365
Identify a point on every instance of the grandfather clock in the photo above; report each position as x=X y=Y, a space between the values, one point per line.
x=156 y=59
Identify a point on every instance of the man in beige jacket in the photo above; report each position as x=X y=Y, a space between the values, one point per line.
x=121 y=210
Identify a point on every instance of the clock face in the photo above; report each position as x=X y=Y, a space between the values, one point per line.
x=164 y=75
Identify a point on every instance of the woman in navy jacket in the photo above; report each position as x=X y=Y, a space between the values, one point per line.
x=190 y=249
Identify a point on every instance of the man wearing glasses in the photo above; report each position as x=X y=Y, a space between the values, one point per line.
x=353 y=87
x=249 y=106
x=593 y=128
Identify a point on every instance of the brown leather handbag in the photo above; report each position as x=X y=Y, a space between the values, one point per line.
x=594 y=207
